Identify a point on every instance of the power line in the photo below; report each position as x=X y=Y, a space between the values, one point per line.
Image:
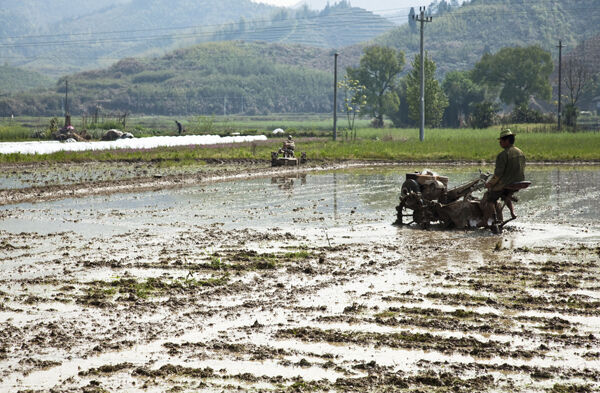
x=336 y=13
x=273 y=29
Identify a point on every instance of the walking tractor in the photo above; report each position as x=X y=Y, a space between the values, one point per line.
x=425 y=199
x=286 y=155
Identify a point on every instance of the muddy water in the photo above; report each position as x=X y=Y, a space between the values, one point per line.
x=560 y=196
x=297 y=283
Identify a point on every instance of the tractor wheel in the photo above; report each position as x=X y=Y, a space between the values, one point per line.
x=409 y=186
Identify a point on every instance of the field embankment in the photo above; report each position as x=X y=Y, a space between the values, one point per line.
x=440 y=145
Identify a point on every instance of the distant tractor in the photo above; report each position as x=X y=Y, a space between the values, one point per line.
x=286 y=155
x=287 y=159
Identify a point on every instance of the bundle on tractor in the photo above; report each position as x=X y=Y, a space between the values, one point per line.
x=425 y=199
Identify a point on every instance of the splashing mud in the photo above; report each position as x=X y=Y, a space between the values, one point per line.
x=299 y=283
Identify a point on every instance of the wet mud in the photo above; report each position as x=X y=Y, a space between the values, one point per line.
x=298 y=283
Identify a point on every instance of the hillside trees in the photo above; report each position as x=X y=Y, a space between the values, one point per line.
x=379 y=72
x=519 y=73
x=435 y=99
x=207 y=79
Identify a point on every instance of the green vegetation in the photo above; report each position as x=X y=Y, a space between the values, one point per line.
x=137 y=27
x=462 y=92
x=101 y=291
x=14 y=79
x=215 y=78
x=445 y=145
x=435 y=99
x=164 y=26
x=378 y=71
x=518 y=72
x=14 y=132
x=457 y=40
x=336 y=26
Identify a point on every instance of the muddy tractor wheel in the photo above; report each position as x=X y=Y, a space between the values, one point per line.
x=409 y=186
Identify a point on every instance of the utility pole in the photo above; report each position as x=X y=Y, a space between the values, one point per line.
x=335 y=56
x=66 y=97
x=224 y=106
x=422 y=18
x=560 y=46
x=67 y=116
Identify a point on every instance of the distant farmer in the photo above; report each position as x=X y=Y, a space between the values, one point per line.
x=180 y=128
x=288 y=147
x=510 y=168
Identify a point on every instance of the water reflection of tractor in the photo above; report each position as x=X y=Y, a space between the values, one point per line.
x=425 y=199
x=287 y=182
x=286 y=155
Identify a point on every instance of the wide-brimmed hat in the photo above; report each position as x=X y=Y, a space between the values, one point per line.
x=505 y=133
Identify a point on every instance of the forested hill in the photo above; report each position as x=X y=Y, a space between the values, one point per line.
x=15 y=79
x=29 y=17
x=457 y=40
x=335 y=26
x=211 y=78
x=59 y=36
x=101 y=36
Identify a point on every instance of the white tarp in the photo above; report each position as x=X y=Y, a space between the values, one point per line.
x=46 y=147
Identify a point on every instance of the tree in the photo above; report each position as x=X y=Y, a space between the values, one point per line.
x=576 y=78
x=354 y=99
x=378 y=71
x=484 y=114
x=399 y=116
x=518 y=72
x=462 y=93
x=443 y=8
x=435 y=99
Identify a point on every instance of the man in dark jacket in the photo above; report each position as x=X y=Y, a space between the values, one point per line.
x=180 y=129
x=510 y=168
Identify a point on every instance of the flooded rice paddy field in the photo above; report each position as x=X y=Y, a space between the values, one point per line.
x=300 y=283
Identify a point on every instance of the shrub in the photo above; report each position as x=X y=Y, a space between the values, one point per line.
x=523 y=114
x=484 y=115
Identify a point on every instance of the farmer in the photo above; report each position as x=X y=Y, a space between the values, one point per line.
x=288 y=147
x=179 y=127
x=510 y=168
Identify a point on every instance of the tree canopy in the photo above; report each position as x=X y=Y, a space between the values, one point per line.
x=462 y=92
x=435 y=99
x=519 y=72
x=379 y=72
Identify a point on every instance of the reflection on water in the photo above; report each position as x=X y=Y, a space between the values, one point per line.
x=558 y=195
x=286 y=182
